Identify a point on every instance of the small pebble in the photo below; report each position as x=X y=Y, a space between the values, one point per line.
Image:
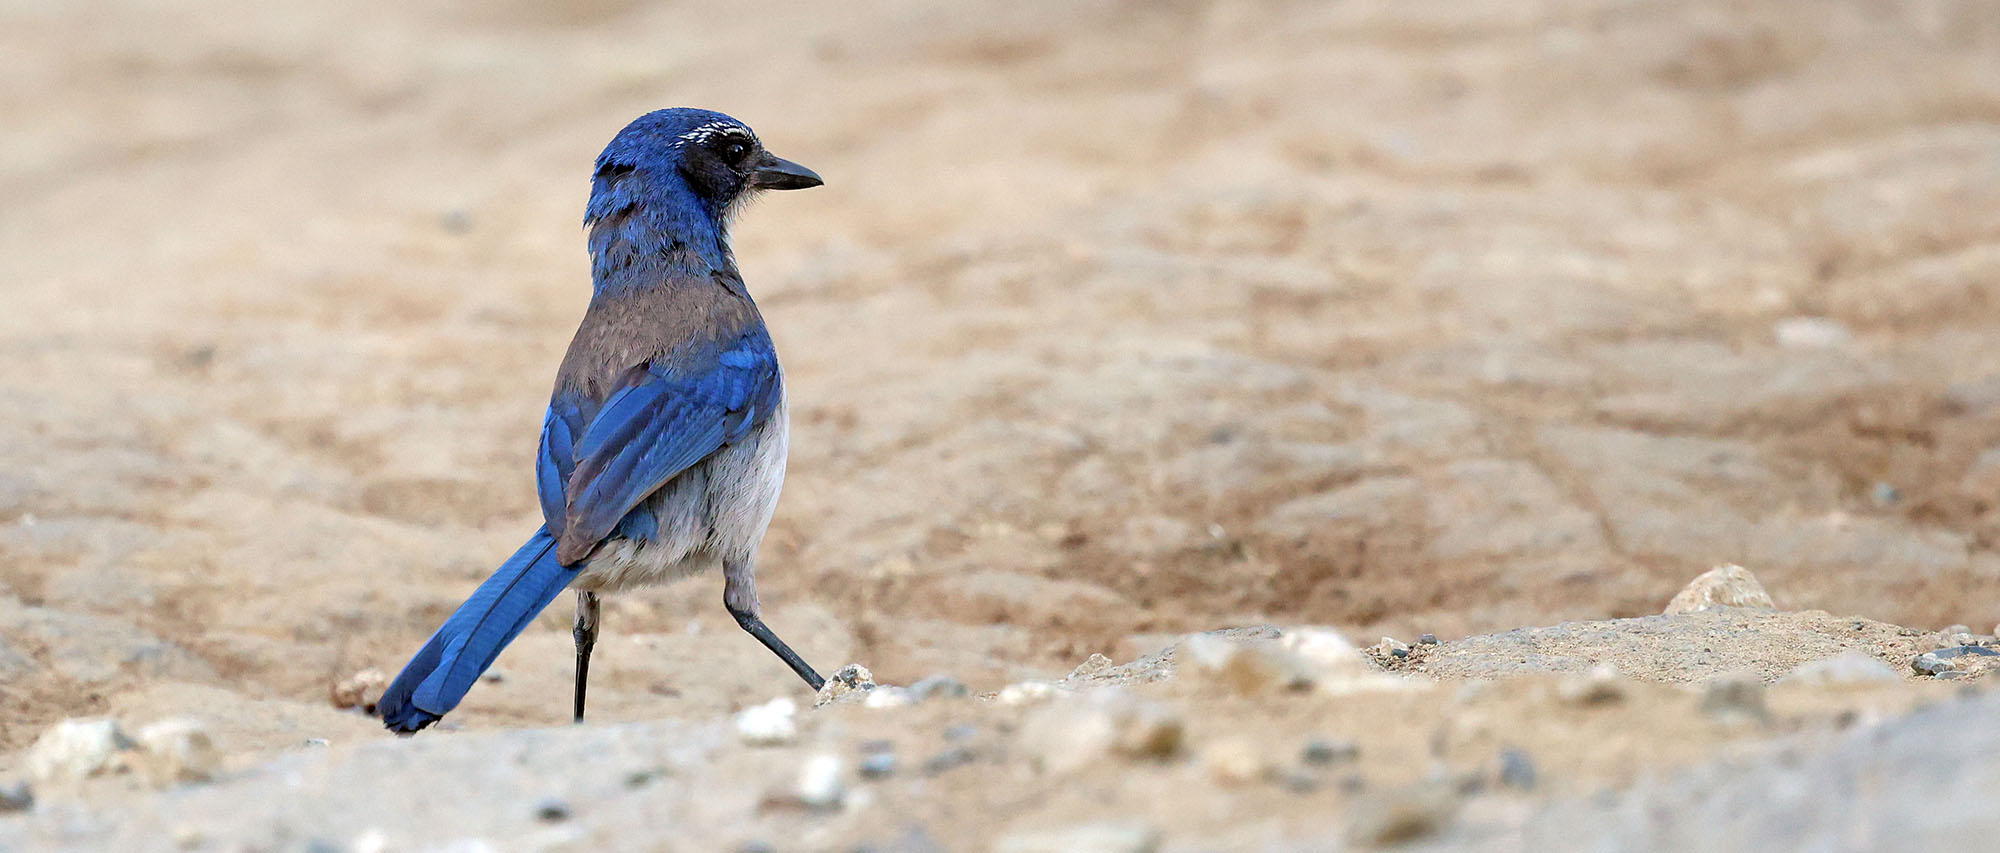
x=1929 y=663
x=851 y=679
x=1811 y=333
x=820 y=785
x=359 y=690
x=1092 y=665
x=947 y=759
x=371 y=840
x=939 y=687
x=773 y=723
x=317 y=741
x=1884 y=495
x=1601 y=685
x=1390 y=648
x=1470 y=784
x=178 y=750
x=1427 y=640
x=76 y=749
x=551 y=810
x=1105 y=837
x=1848 y=669
x=1240 y=667
x=1967 y=650
x=1738 y=696
x=1235 y=760
x=1403 y=815
x=889 y=697
x=1321 y=752
x=1299 y=781
x=1517 y=770
x=1147 y=730
x=17 y=797
x=876 y=765
x=1025 y=693
x=1954 y=637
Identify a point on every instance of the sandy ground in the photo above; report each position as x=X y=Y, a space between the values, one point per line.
x=1114 y=321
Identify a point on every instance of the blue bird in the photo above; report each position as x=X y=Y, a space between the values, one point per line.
x=664 y=445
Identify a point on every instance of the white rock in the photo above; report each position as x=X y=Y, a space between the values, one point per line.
x=852 y=679
x=77 y=749
x=1061 y=739
x=1308 y=658
x=1027 y=692
x=1811 y=333
x=1336 y=667
x=889 y=697
x=1324 y=648
x=1245 y=667
x=359 y=690
x=821 y=784
x=1092 y=665
x=179 y=750
x=1067 y=736
x=1601 y=685
x=1236 y=760
x=1086 y=838
x=371 y=840
x=1722 y=586
x=1389 y=649
x=1847 y=669
x=774 y=723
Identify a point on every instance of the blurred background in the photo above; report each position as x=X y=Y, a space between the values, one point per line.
x=1113 y=319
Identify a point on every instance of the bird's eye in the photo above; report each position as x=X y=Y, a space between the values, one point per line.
x=734 y=152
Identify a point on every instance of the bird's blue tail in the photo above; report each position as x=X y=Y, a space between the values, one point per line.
x=445 y=668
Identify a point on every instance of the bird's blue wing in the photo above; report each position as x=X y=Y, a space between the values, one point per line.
x=662 y=420
x=557 y=460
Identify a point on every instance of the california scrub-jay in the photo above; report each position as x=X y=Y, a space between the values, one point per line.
x=664 y=445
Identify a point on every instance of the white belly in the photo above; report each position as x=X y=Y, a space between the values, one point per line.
x=711 y=515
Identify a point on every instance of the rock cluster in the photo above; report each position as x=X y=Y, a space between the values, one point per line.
x=1298 y=660
x=1073 y=733
x=167 y=752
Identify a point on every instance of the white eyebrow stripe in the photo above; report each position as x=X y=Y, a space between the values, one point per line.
x=706 y=132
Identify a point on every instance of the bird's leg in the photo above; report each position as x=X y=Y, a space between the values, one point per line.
x=586 y=637
x=739 y=594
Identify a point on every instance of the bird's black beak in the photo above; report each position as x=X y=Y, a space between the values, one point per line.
x=777 y=173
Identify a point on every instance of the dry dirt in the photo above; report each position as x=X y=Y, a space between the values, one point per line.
x=1114 y=321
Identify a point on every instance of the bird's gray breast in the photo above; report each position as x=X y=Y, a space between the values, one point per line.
x=712 y=514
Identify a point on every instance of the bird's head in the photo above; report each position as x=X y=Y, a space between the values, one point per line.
x=682 y=157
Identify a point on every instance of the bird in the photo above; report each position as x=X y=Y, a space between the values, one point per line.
x=663 y=449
